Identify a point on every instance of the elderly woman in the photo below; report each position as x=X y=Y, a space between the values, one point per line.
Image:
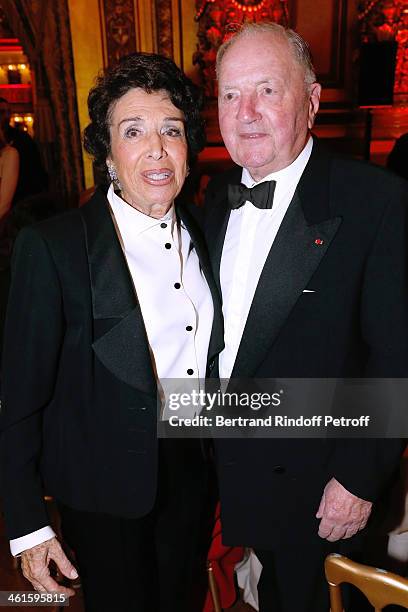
x=106 y=302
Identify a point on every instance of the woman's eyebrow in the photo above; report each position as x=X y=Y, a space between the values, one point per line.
x=139 y=119
x=174 y=119
x=130 y=119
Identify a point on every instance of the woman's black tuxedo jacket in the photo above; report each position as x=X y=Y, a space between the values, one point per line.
x=352 y=321
x=79 y=392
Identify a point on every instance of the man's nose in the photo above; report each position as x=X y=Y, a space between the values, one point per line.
x=155 y=147
x=248 y=111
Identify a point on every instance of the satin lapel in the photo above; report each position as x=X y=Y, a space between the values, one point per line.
x=217 y=335
x=291 y=262
x=217 y=221
x=216 y=242
x=120 y=337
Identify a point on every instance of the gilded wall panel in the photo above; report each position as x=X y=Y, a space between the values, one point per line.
x=118 y=23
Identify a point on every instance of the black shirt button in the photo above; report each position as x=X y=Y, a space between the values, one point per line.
x=177 y=285
x=279 y=469
x=168 y=245
x=189 y=328
x=190 y=372
x=163 y=225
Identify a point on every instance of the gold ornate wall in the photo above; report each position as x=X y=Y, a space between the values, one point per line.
x=118 y=19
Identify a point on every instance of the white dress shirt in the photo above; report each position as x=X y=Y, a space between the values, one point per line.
x=175 y=301
x=249 y=237
x=171 y=289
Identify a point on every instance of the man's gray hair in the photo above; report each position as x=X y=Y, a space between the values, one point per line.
x=299 y=46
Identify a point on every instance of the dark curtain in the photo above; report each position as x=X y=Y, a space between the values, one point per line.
x=44 y=31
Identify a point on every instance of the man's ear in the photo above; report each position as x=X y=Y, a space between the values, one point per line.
x=314 y=101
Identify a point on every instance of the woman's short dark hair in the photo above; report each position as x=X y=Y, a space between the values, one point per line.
x=150 y=72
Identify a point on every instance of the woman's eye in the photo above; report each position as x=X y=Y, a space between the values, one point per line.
x=132 y=132
x=173 y=131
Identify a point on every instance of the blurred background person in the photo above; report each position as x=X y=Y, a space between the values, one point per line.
x=32 y=178
x=9 y=173
x=24 y=213
x=398 y=158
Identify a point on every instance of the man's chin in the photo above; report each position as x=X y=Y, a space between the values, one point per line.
x=258 y=169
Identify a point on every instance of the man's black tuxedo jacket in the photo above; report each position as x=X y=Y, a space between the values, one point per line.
x=79 y=391
x=354 y=324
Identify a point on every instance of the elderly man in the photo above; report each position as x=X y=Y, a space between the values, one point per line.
x=312 y=269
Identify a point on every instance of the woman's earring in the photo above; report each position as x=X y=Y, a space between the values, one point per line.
x=113 y=175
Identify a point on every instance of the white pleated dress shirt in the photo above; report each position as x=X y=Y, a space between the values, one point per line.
x=175 y=301
x=249 y=237
x=172 y=292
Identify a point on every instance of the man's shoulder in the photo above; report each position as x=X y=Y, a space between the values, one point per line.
x=366 y=177
x=219 y=182
x=350 y=177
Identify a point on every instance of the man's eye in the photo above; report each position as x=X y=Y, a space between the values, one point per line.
x=229 y=96
x=269 y=91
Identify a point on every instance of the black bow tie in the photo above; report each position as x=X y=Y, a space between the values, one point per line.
x=261 y=195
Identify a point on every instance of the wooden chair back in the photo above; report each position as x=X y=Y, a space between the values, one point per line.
x=381 y=588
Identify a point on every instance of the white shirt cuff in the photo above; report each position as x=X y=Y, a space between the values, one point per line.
x=31 y=539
